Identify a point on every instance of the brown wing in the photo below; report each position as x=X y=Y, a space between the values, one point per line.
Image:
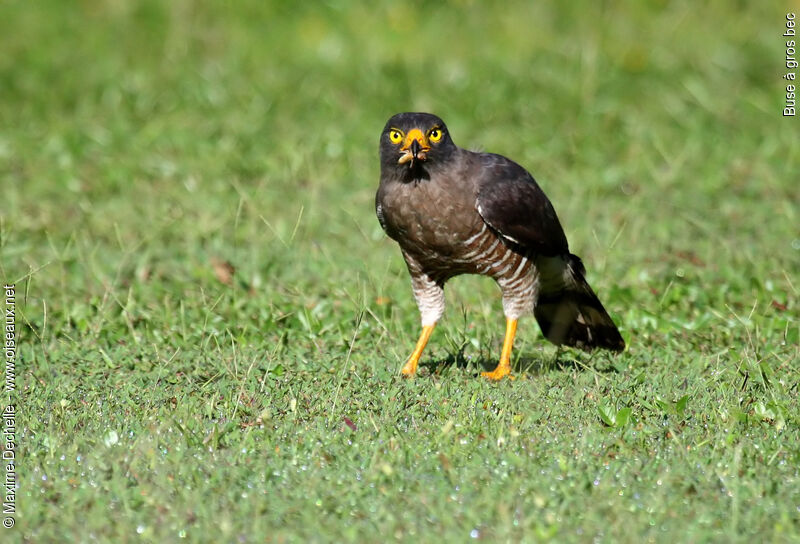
x=512 y=203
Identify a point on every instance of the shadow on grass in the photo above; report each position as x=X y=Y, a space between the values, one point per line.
x=525 y=364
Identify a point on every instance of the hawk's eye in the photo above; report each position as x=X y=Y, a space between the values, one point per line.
x=435 y=135
x=395 y=136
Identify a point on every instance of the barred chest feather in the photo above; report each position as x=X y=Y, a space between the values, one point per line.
x=444 y=236
x=427 y=220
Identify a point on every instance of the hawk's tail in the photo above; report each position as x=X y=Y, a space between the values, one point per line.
x=569 y=312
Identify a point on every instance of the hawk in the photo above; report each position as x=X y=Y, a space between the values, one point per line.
x=454 y=211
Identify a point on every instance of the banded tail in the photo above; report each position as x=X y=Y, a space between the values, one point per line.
x=569 y=312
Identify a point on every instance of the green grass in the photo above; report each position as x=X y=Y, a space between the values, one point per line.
x=144 y=146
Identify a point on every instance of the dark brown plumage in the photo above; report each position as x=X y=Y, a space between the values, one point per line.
x=455 y=212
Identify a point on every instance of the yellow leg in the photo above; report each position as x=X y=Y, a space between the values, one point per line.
x=504 y=366
x=410 y=368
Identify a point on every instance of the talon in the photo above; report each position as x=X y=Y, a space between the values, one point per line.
x=409 y=370
x=499 y=373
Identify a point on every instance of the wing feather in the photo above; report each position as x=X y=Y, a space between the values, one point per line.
x=512 y=204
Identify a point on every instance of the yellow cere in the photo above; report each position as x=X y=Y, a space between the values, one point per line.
x=415 y=134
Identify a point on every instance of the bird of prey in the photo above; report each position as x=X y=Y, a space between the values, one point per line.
x=454 y=211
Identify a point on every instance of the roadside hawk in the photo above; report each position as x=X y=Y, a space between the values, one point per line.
x=454 y=211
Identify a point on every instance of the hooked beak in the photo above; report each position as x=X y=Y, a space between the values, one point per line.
x=415 y=148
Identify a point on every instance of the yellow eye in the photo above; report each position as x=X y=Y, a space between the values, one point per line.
x=435 y=135
x=395 y=136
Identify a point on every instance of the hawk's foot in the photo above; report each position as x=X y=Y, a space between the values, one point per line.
x=502 y=370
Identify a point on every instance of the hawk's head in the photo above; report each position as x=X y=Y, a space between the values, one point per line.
x=412 y=143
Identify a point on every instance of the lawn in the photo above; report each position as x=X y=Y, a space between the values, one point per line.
x=211 y=321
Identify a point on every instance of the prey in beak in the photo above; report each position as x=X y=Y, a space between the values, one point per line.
x=415 y=148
